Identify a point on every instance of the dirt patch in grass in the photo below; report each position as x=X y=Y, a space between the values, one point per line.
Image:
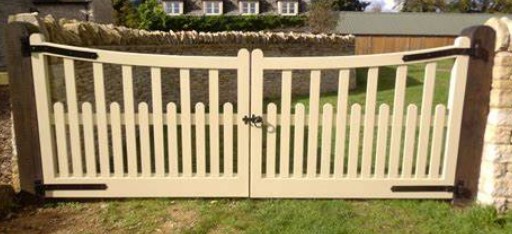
x=68 y=218
x=182 y=218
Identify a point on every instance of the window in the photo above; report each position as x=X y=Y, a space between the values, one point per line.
x=173 y=7
x=288 y=7
x=249 y=7
x=212 y=7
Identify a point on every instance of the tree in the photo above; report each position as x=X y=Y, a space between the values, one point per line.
x=125 y=13
x=481 y=6
x=151 y=15
x=350 y=5
x=462 y=6
x=423 y=5
x=321 y=16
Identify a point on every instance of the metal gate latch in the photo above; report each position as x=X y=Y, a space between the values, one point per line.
x=253 y=120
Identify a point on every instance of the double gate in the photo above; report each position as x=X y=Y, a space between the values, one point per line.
x=249 y=146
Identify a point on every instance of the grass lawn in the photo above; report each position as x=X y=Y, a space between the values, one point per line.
x=258 y=216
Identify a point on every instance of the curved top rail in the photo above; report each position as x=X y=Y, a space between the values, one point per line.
x=358 y=61
x=38 y=45
x=233 y=62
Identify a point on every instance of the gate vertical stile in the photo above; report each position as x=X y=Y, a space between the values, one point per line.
x=244 y=108
x=256 y=109
x=42 y=96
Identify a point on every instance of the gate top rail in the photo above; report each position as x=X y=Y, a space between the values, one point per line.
x=38 y=45
x=461 y=47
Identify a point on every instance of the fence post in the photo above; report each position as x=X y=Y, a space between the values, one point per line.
x=19 y=68
x=476 y=108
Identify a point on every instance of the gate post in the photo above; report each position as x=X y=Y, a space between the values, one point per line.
x=19 y=68
x=476 y=109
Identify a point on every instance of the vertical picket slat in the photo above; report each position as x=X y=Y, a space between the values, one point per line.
x=90 y=151
x=129 y=119
x=341 y=122
x=286 y=102
x=314 y=109
x=101 y=116
x=382 y=137
x=437 y=141
x=158 y=128
x=410 y=136
x=298 y=142
x=213 y=84
x=458 y=78
x=426 y=113
x=145 y=149
x=326 y=140
x=353 y=148
x=117 y=139
x=200 y=139
x=172 y=139
x=369 y=121
x=74 y=125
x=271 y=139
x=228 y=139
x=396 y=128
x=186 y=129
x=61 y=141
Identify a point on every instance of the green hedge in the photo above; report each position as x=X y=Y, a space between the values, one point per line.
x=226 y=23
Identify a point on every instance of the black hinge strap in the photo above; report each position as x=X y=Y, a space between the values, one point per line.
x=62 y=51
x=51 y=187
x=422 y=188
x=475 y=52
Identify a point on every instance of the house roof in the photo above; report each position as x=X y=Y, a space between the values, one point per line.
x=435 y=24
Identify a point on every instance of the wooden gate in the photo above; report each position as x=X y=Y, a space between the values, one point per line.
x=314 y=162
x=108 y=152
x=137 y=149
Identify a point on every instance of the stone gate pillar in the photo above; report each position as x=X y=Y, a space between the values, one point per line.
x=495 y=184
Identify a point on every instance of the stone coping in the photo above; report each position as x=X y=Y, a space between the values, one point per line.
x=73 y=32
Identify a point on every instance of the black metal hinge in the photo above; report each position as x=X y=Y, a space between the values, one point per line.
x=41 y=188
x=458 y=189
x=59 y=51
x=475 y=52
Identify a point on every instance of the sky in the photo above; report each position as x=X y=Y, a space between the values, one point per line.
x=387 y=5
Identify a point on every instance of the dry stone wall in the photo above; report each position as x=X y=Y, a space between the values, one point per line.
x=110 y=37
x=495 y=186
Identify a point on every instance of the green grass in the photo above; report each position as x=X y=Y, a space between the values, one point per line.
x=386 y=85
x=297 y=216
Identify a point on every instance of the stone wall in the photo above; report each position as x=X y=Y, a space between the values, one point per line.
x=187 y=43
x=495 y=186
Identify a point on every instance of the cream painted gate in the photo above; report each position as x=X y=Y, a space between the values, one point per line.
x=131 y=149
x=324 y=157
x=129 y=146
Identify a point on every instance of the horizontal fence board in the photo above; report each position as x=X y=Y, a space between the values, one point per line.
x=235 y=116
